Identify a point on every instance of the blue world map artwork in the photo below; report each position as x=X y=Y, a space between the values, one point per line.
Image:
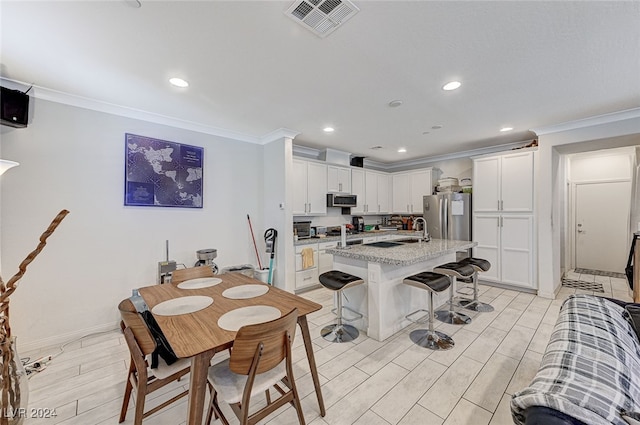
x=162 y=174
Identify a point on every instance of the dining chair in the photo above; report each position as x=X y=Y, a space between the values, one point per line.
x=260 y=360
x=180 y=275
x=141 y=377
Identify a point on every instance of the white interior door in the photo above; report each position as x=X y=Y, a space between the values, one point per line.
x=602 y=225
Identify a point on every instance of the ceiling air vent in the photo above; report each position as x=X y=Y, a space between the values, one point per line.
x=322 y=17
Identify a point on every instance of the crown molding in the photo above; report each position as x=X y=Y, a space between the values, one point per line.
x=627 y=114
x=50 y=95
x=314 y=153
x=278 y=134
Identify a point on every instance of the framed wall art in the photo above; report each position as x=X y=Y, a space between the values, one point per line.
x=159 y=173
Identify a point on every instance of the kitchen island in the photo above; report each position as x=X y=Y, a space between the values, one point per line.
x=383 y=299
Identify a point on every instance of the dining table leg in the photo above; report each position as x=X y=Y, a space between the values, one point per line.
x=306 y=337
x=198 y=386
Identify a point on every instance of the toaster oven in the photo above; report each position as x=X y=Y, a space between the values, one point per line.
x=302 y=229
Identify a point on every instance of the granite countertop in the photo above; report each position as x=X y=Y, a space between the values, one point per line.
x=405 y=254
x=309 y=241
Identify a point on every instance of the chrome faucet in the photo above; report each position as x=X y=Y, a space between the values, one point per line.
x=425 y=235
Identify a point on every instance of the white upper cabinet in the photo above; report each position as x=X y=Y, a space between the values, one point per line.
x=409 y=188
x=400 y=188
x=357 y=188
x=383 y=193
x=503 y=183
x=309 y=188
x=338 y=179
x=372 y=190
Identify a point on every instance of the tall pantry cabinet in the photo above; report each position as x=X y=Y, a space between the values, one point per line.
x=503 y=216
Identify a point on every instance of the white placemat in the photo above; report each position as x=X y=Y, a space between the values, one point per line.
x=182 y=305
x=201 y=282
x=244 y=292
x=235 y=319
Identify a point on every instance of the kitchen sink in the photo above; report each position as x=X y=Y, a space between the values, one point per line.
x=383 y=244
x=409 y=240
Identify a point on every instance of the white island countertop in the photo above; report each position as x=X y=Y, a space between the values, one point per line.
x=404 y=254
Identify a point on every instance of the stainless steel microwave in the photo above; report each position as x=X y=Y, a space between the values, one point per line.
x=335 y=200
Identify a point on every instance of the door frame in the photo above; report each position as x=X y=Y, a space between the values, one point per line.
x=572 y=210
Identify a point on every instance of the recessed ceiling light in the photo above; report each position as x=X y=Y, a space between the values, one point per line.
x=402 y=150
x=452 y=85
x=506 y=129
x=375 y=147
x=178 y=82
x=436 y=127
x=426 y=132
x=395 y=103
x=328 y=129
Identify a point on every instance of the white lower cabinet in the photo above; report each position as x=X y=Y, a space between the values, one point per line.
x=325 y=261
x=306 y=277
x=506 y=241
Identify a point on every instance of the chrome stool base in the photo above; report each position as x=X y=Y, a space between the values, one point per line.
x=476 y=306
x=453 y=317
x=339 y=333
x=432 y=340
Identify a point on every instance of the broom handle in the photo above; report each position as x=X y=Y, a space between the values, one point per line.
x=254 y=242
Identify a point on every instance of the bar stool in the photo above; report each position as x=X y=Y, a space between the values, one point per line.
x=454 y=271
x=339 y=281
x=479 y=265
x=429 y=338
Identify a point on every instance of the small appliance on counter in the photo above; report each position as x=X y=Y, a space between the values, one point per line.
x=302 y=229
x=206 y=257
x=336 y=231
x=166 y=268
x=358 y=224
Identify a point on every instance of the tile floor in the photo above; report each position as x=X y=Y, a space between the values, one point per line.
x=363 y=382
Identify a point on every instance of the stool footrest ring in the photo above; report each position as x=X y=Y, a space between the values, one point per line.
x=356 y=314
x=420 y=320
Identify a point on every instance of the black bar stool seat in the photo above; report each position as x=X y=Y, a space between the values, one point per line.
x=338 y=281
x=429 y=338
x=479 y=265
x=454 y=271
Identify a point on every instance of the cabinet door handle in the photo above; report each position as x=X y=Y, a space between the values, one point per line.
x=408 y=208
x=309 y=206
x=498 y=205
x=501 y=205
x=340 y=187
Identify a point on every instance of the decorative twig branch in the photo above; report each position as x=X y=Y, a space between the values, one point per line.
x=10 y=387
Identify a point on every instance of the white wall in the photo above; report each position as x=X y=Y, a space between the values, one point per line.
x=598 y=133
x=73 y=159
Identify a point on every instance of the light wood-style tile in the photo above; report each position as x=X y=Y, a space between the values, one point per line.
x=364 y=382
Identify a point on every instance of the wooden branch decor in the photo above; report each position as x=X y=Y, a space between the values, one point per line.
x=10 y=396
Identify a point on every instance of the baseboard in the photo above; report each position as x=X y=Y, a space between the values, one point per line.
x=58 y=340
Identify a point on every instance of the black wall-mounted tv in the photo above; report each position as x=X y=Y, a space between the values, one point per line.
x=14 y=107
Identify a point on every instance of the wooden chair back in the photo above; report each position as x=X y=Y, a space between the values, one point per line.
x=180 y=275
x=275 y=336
x=134 y=321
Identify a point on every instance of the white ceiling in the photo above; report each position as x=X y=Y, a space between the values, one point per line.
x=253 y=70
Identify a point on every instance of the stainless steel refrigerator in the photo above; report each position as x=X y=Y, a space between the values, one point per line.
x=448 y=216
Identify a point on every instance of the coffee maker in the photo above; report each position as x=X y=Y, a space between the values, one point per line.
x=358 y=224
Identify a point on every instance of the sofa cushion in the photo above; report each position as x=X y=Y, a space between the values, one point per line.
x=591 y=366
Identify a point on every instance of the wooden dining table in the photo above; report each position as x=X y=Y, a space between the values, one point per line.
x=198 y=336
